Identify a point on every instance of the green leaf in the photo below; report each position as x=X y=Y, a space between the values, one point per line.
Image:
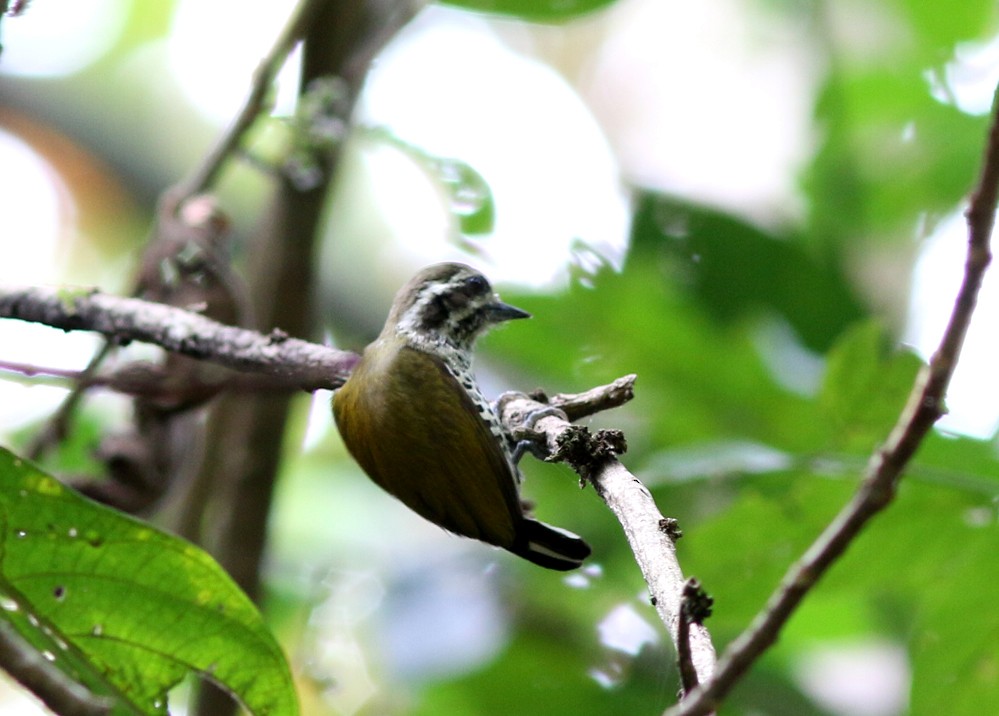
x=533 y=10
x=866 y=386
x=466 y=191
x=735 y=269
x=892 y=158
x=125 y=609
x=958 y=631
x=940 y=31
x=471 y=199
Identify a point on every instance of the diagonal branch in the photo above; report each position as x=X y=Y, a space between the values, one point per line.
x=650 y=535
x=884 y=470
x=45 y=680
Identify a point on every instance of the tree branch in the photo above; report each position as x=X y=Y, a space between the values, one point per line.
x=650 y=535
x=53 y=687
x=884 y=470
x=298 y=363
x=593 y=401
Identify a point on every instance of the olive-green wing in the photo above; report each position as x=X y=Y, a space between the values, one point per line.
x=417 y=433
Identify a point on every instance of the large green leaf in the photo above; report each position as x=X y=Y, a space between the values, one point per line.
x=735 y=269
x=865 y=388
x=939 y=31
x=123 y=608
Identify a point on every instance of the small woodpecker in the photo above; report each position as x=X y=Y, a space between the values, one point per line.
x=413 y=417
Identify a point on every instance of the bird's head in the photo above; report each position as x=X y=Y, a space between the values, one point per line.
x=445 y=307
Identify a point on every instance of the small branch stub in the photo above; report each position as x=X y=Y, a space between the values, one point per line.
x=697 y=603
x=586 y=452
x=671 y=528
x=695 y=607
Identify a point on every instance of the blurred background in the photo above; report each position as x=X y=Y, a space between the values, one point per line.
x=756 y=206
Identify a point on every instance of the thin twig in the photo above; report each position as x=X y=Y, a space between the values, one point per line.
x=145 y=379
x=685 y=657
x=605 y=397
x=13 y=8
x=306 y=365
x=58 y=375
x=185 y=262
x=207 y=173
x=650 y=535
x=924 y=408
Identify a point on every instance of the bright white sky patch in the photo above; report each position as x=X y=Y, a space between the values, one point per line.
x=968 y=81
x=709 y=101
x=216 y=72
x=625 y=630
x=449 y=86
x=859 y=679
x=33 y=211
x=32 y=207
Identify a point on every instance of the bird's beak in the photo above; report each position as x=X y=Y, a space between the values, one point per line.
x=497 y=312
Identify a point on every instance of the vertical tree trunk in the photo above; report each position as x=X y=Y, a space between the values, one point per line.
x=246 y=435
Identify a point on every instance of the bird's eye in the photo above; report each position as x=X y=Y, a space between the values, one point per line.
x=477 y=284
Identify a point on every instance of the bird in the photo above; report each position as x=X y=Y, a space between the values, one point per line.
x=413 y=417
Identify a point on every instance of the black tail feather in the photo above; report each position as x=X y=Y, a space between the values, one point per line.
x=550 y=547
